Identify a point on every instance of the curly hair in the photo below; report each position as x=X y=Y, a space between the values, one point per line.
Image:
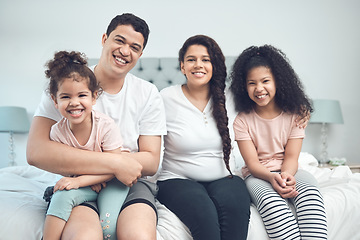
x=217 y=87
x=69 y=65
x=290 y=95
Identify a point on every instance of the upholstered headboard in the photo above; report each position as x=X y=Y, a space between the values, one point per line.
x=162 y=72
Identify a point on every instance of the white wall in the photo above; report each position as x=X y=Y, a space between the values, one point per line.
x=321 y=38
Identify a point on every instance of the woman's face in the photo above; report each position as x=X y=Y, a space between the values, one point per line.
x=197 y=66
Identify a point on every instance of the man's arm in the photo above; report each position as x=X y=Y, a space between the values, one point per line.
x=149 y=154
x=65 y=160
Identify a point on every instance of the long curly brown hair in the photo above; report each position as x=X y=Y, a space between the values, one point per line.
x=290 y=95
x=217 y=87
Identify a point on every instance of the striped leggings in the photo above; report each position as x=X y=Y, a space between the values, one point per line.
x=309 y=219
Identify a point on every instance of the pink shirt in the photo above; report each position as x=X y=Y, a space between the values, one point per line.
x=105 y=134
x=268 y=135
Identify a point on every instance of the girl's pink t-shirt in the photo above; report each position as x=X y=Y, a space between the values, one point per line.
x=105 y=134
x=268 y=135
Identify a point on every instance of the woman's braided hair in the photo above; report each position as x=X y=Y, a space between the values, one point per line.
x=217 y=88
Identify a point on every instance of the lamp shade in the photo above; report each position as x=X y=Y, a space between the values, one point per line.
x=326 y=111
x=14 y=119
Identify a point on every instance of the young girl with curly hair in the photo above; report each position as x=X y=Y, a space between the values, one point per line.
x=74 y=89
x=269 y=96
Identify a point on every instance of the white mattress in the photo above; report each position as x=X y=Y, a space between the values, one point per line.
x=22 y=208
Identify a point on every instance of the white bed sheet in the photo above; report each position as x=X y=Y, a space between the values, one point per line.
x=22 y=208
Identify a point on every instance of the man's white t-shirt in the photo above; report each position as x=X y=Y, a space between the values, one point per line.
x=137 y=109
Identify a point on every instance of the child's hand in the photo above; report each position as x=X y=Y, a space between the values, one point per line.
x=290 y=182
x=288 y=178
x=289 y=193
x=280 y=186
x=277 y=182
x=66 y=183
x=97 y=187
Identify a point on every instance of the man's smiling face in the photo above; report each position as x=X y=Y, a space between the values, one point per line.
x=122 y=49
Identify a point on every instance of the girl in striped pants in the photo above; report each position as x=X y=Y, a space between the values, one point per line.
x=269 y=98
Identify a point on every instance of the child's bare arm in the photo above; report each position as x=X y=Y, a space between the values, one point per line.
x=292 y=152
x=250 y=156
x=67 y=183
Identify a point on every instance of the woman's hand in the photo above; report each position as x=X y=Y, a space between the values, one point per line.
x=303 y=119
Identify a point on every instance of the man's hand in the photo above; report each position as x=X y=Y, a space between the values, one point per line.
x=129 y=171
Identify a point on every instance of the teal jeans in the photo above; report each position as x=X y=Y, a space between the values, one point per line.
x=109 y=200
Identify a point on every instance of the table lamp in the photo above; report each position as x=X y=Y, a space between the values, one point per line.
x=13 y=120
x=325 y=112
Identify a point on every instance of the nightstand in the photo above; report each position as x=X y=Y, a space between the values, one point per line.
x=355 y=168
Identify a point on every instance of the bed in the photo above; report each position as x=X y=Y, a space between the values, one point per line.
x=340 y=189
x=23 y=209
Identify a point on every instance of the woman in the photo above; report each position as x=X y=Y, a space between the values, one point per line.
x=196 y=182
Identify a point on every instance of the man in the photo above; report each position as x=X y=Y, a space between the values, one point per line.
x=137 y=108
